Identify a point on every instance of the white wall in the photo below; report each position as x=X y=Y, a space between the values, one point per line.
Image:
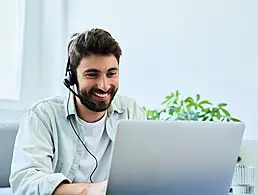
x=9 y=44
x=43 y=54
x=54 y=40
x=29 y=52
x=206 y=47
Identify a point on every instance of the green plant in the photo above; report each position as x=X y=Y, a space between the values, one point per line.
x=177 y=107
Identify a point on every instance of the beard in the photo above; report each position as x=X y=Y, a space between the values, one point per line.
x=87 y=98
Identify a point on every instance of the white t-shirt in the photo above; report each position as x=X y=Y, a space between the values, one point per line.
x=96 y=140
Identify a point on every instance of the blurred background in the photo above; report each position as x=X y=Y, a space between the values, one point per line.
x=205 y=47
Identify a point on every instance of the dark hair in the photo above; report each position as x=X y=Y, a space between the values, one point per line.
x=94 y=41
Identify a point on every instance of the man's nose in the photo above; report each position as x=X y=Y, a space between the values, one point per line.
x=104 y=84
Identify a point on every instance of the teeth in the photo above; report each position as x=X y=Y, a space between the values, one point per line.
x=101 y=95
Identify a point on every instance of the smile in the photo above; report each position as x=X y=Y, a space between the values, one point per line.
x=101 y=95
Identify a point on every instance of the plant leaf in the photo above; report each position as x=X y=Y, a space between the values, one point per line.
x=168 y=98
x=200 y=106
x=198 y=97
x=207 y=110
x=218 y=114
x=235 y=120
x=177 y=93
x=222 y=105
x=226 y=112
x=189 y=99
x=205 y=102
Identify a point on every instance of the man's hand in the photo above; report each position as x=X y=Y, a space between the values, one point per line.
x=95 y=188
x=99 y=188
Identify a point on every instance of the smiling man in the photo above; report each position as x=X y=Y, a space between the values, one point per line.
x=64 y=144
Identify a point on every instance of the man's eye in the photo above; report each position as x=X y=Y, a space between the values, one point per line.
x=111 y=73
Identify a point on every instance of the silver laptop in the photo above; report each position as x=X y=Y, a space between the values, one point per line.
x=174 y=157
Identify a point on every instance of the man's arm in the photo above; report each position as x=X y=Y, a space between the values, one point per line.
x=31 y=169
x=81 y=189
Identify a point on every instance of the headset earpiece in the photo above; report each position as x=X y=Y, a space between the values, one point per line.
x=69 y=79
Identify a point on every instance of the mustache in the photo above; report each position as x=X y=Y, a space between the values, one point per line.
x=97 y=90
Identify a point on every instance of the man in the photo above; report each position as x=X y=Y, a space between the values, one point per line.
x=64 y=144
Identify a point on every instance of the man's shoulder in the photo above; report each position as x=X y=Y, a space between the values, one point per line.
x=129 y=105
x=54 y=103
x=124 y=102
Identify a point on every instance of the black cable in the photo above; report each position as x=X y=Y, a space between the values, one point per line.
x=82 y=141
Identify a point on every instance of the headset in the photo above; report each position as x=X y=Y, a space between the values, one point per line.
x=69 y=81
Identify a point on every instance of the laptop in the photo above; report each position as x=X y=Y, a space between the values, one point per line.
x=174 y=157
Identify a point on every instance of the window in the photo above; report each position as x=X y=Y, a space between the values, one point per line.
x=10 y=49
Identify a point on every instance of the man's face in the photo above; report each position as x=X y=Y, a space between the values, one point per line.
x=97 y=81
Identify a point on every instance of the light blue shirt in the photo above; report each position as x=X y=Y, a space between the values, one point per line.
x=47 y=151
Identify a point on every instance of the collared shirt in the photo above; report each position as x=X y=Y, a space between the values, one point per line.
x=47 y=150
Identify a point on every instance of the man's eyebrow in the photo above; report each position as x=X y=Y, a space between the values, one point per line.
x=112 y=69
x=91 y=70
